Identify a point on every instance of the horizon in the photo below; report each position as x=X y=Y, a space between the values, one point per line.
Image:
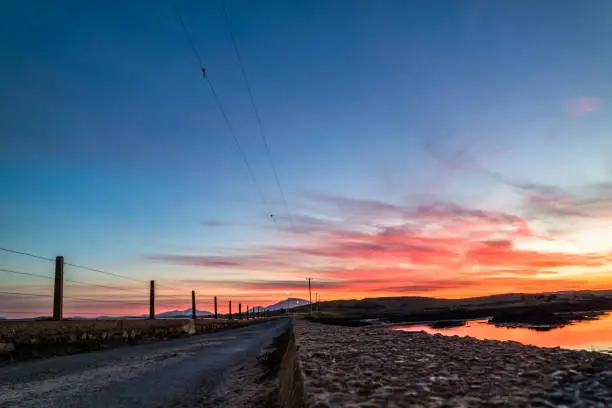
x=391 y=149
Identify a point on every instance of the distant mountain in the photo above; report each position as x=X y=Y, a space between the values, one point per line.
x=289 y=303
x=181 y=313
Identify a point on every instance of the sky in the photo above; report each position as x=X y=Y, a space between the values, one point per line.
x=446 y=149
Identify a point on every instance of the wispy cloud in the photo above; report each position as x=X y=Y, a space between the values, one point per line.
x=466 y=249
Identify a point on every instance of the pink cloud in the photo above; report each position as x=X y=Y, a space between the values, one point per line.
x=581 y=106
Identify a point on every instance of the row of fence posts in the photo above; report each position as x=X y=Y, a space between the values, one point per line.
x=58 y=299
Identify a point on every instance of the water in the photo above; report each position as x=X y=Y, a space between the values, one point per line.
x=584 y=335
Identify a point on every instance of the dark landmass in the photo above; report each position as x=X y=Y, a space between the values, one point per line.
x=554 y=309
x=540 y=317
x=444 y=324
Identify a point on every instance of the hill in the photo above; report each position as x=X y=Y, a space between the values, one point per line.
x=416 y=308
x=289 y=303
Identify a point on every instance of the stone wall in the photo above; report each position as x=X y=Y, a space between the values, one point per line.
x=32 y=339
x=291 y=386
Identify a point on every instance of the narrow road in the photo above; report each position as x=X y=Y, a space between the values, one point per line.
x=173 y=373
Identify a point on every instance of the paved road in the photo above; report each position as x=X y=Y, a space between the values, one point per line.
x=161 y=374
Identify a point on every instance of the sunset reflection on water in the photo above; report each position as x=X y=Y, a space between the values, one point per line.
x=591 y=334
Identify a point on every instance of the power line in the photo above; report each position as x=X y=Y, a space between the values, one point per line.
x=70 y=297
x=106 y=300
x=104 y=286
x=87 y=268
x=24 y=294
x=264 y=138
x=25 y=273
x=34 y=275
x=12 y=251
x=187 y=33
x=18 y=312
x=221 y=109
x=76 y=314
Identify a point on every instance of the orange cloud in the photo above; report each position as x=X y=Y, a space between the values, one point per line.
x=438 y=249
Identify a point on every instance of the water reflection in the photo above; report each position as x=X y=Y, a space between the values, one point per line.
x=588 y=335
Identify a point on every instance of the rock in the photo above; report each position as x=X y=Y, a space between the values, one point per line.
x=6 y=348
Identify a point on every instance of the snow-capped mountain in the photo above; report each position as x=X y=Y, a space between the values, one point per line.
x=289 y=303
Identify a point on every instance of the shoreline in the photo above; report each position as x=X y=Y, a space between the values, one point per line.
x=555 y=320
x=374 y=367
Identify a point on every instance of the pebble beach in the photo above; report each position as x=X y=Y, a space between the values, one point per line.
x=376 y=367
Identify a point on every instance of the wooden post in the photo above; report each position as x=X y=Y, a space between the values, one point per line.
x=240 y=311
x=58 y=291
x=309 y=296
x=215 y=307
x=193 y=305
x=230 y=309
x=152 y=300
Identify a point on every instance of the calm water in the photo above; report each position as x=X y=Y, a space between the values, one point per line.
x=588 y=335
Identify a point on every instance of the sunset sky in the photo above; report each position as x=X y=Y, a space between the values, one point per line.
x=446 y=149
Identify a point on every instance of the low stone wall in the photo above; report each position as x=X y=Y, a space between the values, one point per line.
x=31 y=339
x=291 y=385
x=210 y=325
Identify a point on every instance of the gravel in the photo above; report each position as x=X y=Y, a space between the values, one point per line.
x=370 y=368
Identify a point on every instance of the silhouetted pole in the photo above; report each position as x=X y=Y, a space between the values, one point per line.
x=230 y=309
x=309 y=294
x=247 y=312
x=240 y=311
x=58 y=290
x=152 y=300
x=215 y=307
x=193 y=306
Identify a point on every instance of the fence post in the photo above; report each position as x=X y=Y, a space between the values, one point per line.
x=240 y=311
x=193 y=305
x=58 y=291
x=152 y=300
x=215 y=307
x=230 y=309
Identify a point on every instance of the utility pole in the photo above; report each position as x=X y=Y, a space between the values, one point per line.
x=193 y=305
x=215 y=307
x=58 y=290
x=309 y=294
x=230 y=309
x=152 y=300
x=240 y=311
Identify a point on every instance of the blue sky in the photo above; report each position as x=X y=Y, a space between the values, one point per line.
x=112 y=148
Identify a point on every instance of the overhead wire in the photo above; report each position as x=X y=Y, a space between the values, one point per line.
x=87 y=268
x=12 y=251
x=222 y=110
x=262 y=132
x=25 y=273
x=24 y=294
x=34 y=275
